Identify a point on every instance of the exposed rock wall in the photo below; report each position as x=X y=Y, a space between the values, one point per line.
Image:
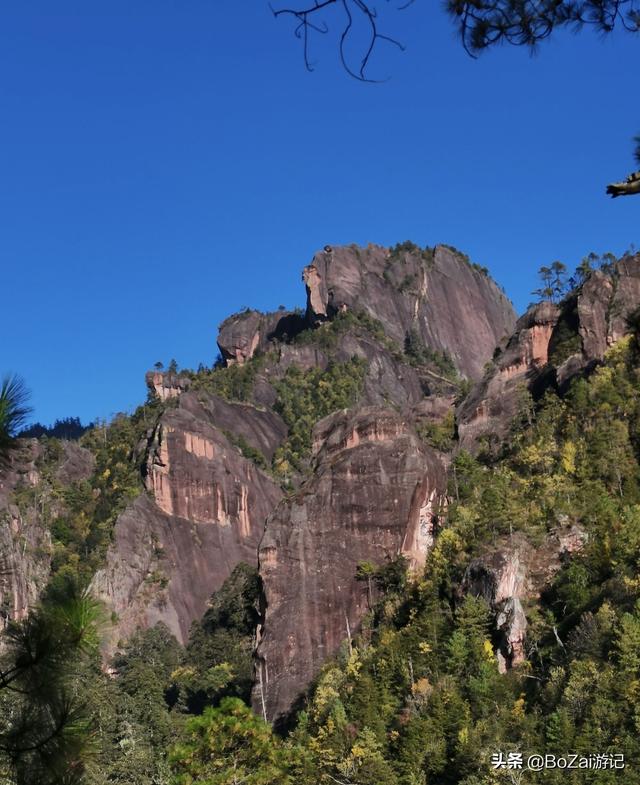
x=166 y=385
x=204 y=513
x=25 y=539
x=512 y=574
x=453 y=306
x=554 y=342
x=494 y=401
x=25 y=545
x=375 y=493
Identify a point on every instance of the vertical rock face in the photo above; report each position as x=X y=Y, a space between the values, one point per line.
x=166 y=385
x=375 y=493
x=239 y=336
x=203 y=514
x=25 y=540
x=514 y=573
x=557 y=341
x=452 y=305
x=599 y=315
x=25 y=545
x=493 y=403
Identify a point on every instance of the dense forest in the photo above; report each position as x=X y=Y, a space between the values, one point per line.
x=420 y=694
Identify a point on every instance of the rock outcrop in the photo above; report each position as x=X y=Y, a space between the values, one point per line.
x=166 y=384
x=208 y=502
x=203 y=514
x=25 y=539
x=494 y=401
x=551 y=344
x=241 y=335
x=376 y=492
x=511 y=575
x=452 y=305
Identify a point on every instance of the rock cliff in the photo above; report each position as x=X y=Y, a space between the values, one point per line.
x=203 y=513
x=452 y=305
x=368 y=483
x=511 y=575
x=27 y=506
x=550 y=345
x=376 y=491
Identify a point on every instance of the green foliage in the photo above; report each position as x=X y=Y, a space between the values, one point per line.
x=232 y=382
x=229 y=745
x=14 y=412
x=45 y=726
x=397 y=252
x=80 y=516
x=439 y=434
x=87 y=509
x=218 y=657
x=554 y=282
x=419 y=696
x=327 y=336
x=418 y=354
x=247 y=450
x=69 y=428
x=304 y=397
x=565 y=340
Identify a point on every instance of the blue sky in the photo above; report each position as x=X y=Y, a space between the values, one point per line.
x=164 y=163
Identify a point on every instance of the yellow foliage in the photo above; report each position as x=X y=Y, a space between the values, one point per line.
x=387 y=637
x=619 y=351
x=354 y=665
x=568 y=457
x=424 y=647
x=487 y=649
x=518 y=708
x=539 y=456
x=358 y=752
x=421 y=687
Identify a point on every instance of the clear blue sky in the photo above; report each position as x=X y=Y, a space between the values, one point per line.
x=164 y=163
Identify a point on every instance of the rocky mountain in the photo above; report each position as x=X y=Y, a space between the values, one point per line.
x=376 y=491
x=550 y=345
x=417 y=322
x=322 y=440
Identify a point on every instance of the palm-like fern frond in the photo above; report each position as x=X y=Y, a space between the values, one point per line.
x=14 y=412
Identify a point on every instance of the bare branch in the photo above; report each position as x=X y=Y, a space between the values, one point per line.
x=309 y=20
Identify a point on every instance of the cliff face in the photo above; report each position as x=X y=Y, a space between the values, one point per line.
x=376 y=491
x=367 y=489
x=494 y=401
x=511 y=576
x=453 y=306
x=26 y=506
x=203 y=513
x=550 y=345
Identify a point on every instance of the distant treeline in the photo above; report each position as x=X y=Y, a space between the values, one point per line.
x=68 y=428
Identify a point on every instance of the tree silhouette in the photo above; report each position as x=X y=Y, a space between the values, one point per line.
x=481 y=23
x=45 y=731
x=14 y=412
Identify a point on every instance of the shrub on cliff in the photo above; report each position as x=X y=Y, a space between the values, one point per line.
x=304 y=397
